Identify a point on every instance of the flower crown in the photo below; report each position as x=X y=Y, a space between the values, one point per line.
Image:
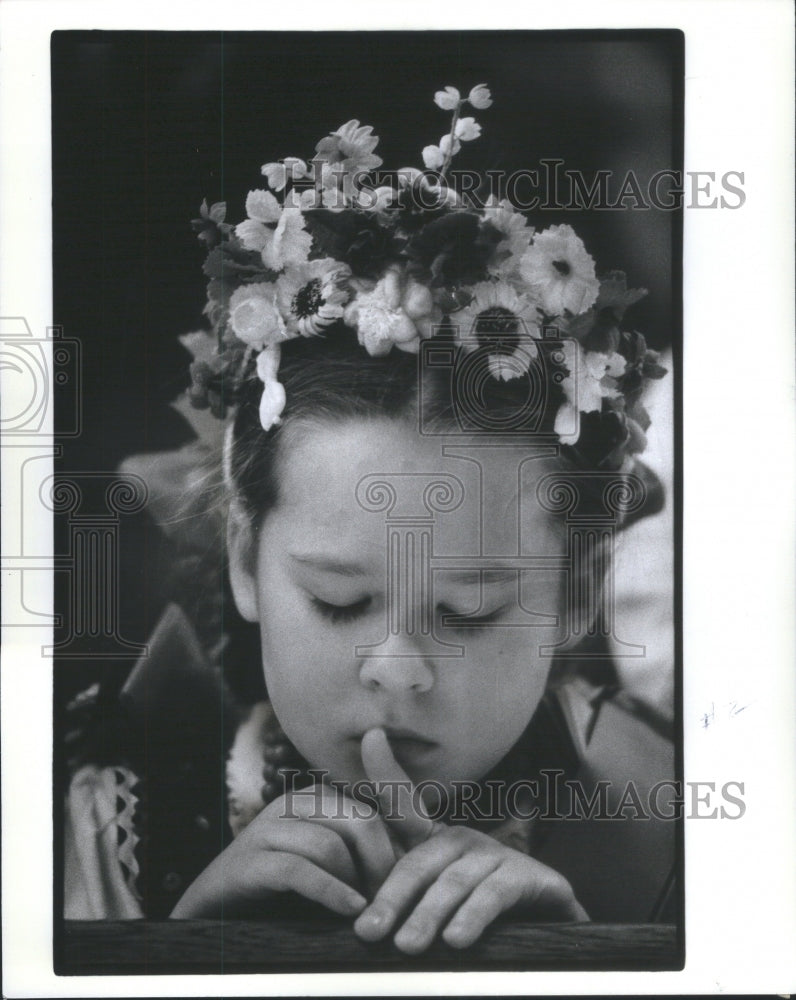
x=399 y=262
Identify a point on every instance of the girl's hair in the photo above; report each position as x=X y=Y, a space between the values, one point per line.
x=332 y=378
x=326 y=379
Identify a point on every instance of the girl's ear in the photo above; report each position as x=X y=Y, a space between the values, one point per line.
x=241 y=541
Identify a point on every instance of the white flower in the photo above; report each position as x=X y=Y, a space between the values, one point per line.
x=408 y=175
x=262 y=206
x=448 y=145
x=560 y=271
x=252 y=234
x=254 y=317
x=497 y=316
x=309 y=198
x=272 y=403
x=393 y=313
x=480 y=97
x=289 y=243
x=433 y=157
x=447 y=99
x=263 y=210
x=592 y=378
x=467 y=129
x=302 y=199
x=417 y=300
x=268 y=363
x=351 y=146
x=516 y=236
x=277 y=174
x=310 y=295
x=377 y=200
x=567 y=424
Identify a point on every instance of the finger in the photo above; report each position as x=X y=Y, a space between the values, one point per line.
x=324 y=847
x=281 y=871
x=389 y=777
x=359 y=826
x=412 y=874
x=443 y=897
x=550 y=895
x=493 y=896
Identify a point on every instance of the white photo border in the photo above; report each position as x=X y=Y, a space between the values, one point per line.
x=738 y=539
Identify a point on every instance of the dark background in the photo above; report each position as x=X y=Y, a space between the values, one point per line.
x=147 y=124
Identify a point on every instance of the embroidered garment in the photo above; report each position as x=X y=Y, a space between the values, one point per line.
x=101 y=866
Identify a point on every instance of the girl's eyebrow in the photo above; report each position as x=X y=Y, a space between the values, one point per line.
x=328 y=563
x=344 y=567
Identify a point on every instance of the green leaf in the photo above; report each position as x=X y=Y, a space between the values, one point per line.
x=615 y=295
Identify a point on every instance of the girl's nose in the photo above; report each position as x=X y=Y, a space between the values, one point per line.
x=399 y=673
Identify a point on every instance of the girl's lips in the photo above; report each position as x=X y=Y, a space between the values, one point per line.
x=396 y=736
x=405 y=743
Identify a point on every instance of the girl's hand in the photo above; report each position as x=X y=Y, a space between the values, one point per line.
x=452 y=879
x=317 y=843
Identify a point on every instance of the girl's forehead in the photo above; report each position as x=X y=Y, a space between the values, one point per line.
x=342 y=483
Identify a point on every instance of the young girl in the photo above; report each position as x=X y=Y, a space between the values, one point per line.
x=435 y=413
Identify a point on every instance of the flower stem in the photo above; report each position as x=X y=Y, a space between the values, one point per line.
x=449 y=154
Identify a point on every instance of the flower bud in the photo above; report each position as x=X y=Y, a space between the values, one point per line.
x=391 y=288
x=448 y=148
x=447 y=99
x=272 y=402
x=467 y=129
x=432 y=157
x=417 y=300
x=480 y=97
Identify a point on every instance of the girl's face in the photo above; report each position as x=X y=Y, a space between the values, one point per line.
x=318 y=586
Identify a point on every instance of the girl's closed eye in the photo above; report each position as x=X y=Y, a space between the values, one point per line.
x=339 y=613
x=458 y=622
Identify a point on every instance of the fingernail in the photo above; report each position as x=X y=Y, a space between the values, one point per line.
x=408 y=939
x=374 y=918
x=456 y=936
x=373 y=922
x=355 y=902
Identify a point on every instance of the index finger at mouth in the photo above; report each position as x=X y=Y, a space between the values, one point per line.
x=394 y=789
